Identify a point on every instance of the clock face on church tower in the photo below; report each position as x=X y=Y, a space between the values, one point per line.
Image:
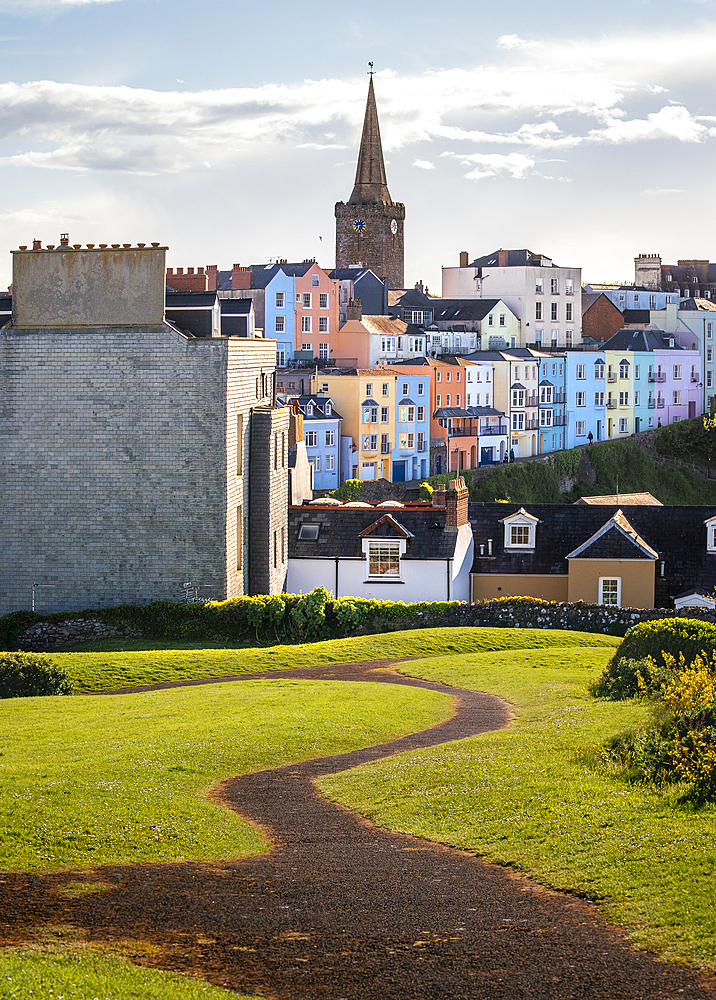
x=393 y=226
x=359 y=226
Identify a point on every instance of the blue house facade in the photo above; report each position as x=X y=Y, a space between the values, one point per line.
x=280 y=312
x=629 y=297
x=552 y=405
x=585 y=393
x=410 y=459
x=322 y=437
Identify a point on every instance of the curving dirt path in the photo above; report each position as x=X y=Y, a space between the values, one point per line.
x=342 y=910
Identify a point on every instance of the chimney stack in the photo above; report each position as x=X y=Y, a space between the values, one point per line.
x=502 y=258
x=64 y=239
x=456 y=514
x=464 y=258
x=439 y=495
x=354 y=310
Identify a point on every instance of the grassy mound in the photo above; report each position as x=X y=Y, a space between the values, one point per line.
x=102 y=666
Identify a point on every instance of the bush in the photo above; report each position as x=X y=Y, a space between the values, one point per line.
x=426 y=491
x=351 y=490
x=687 y=637
x=26 y=675
x=625 y=678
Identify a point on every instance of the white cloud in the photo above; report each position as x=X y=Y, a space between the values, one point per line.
x=671 y=122
x=551 y=97
x=424 y=164
x=660 y=192
x=484 y=165
x=515 y=42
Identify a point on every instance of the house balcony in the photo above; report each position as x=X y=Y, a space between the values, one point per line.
x=559 y=421
x=532 y=425
x=532 y=400
x=559 y=397
x=661 y=403
x=651 y=404
x=694 y=378
x=611 y=404
x=657 y=378
x=611 y=377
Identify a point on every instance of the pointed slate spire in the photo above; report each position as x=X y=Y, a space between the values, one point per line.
x=371 y=185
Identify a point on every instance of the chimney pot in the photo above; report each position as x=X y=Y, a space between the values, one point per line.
x=90 y=246
x=155 y=244
x=64 y=239
x=23 y=248
x=50 y=246
x=37 y=244
x=126 y=245
x=141 y=245
x=77 y=246
x=115 y=246
x=180 y=270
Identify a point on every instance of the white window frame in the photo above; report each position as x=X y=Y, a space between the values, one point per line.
x=384 y=548
x=525 y=530
x=607 y=581
x=311 y=439
x=280 y=300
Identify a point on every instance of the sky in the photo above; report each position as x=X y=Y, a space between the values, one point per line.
x=227 y=131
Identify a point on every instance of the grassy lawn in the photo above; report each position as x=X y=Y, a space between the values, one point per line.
x=117 y=663
x=87 y=781
x=527 y=797
x=78 y=973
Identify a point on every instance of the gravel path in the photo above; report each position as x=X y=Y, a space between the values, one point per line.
x=341 y=910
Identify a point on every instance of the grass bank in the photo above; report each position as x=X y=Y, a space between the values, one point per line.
x=116 y=663
x=531 y=798
x=89 y=781
x=75 y=972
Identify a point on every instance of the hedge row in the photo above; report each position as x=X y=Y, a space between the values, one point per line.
x=296 y=617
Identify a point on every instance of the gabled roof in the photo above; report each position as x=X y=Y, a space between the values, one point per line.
x=388 y=526
x=412 y=298
x=697 y=305
x=353 y=274
x=640 y=340
x=522 y=515
x=589 y=299
x=616 y=539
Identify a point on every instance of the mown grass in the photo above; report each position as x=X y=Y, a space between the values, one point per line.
x=87 y=781
x=78 y=973
x=532 y=798
x=101 y=669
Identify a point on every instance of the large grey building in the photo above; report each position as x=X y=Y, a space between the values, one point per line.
x=138 y=462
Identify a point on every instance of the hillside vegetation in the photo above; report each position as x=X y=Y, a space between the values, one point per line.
x=611 y=466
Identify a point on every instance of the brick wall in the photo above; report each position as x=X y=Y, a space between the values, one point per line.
x=190 y=281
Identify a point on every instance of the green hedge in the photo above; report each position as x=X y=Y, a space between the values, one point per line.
x=26 y=675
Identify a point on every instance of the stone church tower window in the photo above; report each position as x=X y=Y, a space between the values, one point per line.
x=369 y=226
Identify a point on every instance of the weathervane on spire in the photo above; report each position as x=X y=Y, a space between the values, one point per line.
x=371 y=71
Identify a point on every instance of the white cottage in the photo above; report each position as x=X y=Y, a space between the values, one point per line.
x=387 y=551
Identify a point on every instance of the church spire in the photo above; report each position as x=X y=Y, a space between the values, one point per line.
x=371 y=185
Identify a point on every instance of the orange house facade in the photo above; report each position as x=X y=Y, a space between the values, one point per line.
x=316 y=310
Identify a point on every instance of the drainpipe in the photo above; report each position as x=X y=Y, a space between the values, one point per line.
x=447 y=566
x=335 y=596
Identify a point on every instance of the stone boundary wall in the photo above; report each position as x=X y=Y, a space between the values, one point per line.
x=51 y=635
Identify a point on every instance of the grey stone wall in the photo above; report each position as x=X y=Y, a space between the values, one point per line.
x=67 y=287
x=249 y=384
x=268 y=502
x=377 y=249
x=113 y=467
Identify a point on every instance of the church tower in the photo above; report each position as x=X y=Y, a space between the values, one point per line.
x=369 y=226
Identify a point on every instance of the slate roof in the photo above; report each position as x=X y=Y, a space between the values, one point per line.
x=676 y=534
x=411 y=298
x=318 y=404
x=339 y=532
x=352 y=273
x=515 y=258
x=636 y=316
x=640 y=340
x=179 y=300
x=446 y=310
x=700 y=305
x=623 y=499
x=236 y=307
x=616 y=539
x=468 y=411
x=386 y=325
x=589 y=298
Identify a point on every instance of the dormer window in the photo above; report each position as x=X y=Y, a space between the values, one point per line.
x=520 y=530
x=309 y=410
x=327 y=409
x=711 y=534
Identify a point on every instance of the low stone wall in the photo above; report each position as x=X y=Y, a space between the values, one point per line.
x=52 y=635
x=529 y=613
